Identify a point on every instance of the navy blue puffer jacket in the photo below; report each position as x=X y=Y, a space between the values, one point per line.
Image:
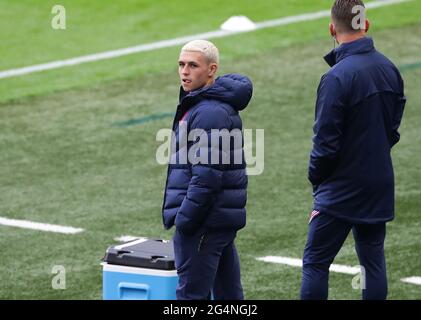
x=207 y=194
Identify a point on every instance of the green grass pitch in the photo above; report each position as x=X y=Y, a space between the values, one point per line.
x=66 y=158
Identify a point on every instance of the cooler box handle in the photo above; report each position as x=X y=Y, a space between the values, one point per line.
x=133 y=291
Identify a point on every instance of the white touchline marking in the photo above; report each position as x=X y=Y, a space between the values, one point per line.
x=294 y=262
x=178 y=41
x=38 y=226
x=131 y=243
x=126 y=238
x=298 y=263
x=412 y=280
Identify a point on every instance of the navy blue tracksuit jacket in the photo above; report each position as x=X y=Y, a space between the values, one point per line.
x=360 y=102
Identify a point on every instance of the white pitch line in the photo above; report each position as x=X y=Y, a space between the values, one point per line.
x=38 y=226
x=178 y=41
x=126 y=238
x=298 y=263
x=131 y=243
x=412 y=280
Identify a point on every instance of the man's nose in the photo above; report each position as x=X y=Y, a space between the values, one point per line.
x=185 y=70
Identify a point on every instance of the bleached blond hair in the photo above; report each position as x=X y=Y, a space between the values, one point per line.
x=209 y=50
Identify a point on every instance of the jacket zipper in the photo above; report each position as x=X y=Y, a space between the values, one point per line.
x=168 y=169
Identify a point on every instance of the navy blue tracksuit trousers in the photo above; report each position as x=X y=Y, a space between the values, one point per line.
x=325 y=238
x=207 y=263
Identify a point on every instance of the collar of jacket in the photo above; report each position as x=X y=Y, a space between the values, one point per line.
x=362 y=45
x=188 y=99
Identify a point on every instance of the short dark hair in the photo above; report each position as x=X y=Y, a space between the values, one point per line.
x=342 y=15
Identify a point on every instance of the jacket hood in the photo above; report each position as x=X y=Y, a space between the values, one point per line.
x=234 y=89
x=362 y=45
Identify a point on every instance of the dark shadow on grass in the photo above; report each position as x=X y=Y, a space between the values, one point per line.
x=138 y=121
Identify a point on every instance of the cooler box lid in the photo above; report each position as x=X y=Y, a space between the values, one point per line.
x=142 y=253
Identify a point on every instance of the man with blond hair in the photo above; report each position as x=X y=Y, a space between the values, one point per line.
x=206 y=199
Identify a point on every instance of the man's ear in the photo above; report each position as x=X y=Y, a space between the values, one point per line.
x=332 y=29
x=367 y=25
x=213 y=67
